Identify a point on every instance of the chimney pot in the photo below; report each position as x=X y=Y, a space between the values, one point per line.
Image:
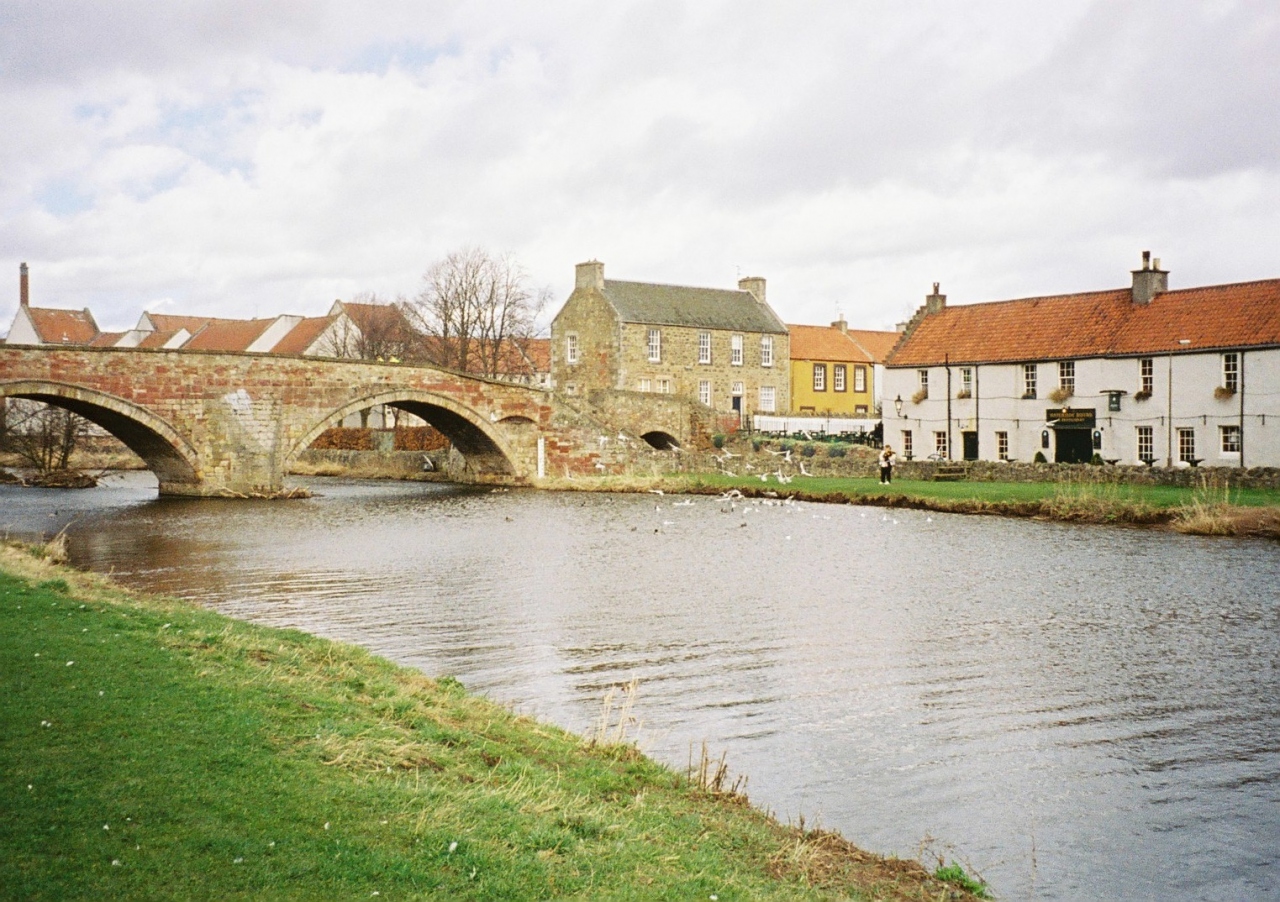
x=754 y=285
x=1148 y=281
x=936 y=302
x=589 y=275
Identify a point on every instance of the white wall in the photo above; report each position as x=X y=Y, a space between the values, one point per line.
x=998 y=406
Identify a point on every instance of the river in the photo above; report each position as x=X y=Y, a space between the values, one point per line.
x=1076 y=712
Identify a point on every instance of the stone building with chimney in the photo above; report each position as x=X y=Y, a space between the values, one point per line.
x=1137 y=375
x=723 y=348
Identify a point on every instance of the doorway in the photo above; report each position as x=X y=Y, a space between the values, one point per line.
x=1073 y=446
x=970 y=443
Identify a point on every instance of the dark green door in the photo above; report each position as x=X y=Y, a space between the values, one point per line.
x=970 y=445
x=1073 y=446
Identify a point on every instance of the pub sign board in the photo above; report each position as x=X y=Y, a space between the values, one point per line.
x=1072 y=417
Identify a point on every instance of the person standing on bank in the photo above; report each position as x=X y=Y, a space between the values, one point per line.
x=887 y=460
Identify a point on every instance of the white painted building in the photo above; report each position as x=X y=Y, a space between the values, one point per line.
x=1135 y=375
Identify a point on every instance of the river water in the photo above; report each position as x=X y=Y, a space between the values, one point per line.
x=1075 y=712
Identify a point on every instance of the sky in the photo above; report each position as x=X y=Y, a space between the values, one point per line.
x=252 y=157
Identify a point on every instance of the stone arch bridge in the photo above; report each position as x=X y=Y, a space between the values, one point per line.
x=224 y=423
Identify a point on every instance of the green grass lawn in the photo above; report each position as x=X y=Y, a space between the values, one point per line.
x=153 y=750
x=1159 y=496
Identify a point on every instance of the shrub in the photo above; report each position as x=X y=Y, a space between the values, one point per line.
x=1096 y=460
x=787 y=445
x=718 y=439
x=756 y=444
x=837 y=451
x=1141 y=396
x=963 y=393
x=1040 y=458
x=808 y=450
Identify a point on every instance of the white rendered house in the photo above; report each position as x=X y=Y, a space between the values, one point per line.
x=1135 y=375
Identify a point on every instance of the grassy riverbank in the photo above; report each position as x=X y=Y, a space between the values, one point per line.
x=1203 y=511
x=152 y=749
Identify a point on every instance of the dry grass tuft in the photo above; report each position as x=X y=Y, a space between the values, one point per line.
x=611 y=728
x=712 y=776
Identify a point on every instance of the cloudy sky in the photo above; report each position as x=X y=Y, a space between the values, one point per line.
x=250 y=157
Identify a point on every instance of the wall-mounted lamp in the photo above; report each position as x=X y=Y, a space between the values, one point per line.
x=897 y=405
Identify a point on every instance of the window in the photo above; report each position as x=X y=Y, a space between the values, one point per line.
x=655 y=345
x=735 y=350
x=664 y=386
x=924 y=383
x=1028 y=380
x=704 y=391
x=1231 y=371
x=766 y=398
x=906 y=444
x=646 y=385
x=860 y=378
x=738 y=390
x=1230 y=436
x=704 y=347
x=571 y=348
x=819 y=377
x=1002 y=446
x=1147 y=373
x=1186 y=444
x=766 y=350
x=838 y=371
x=1067 y=376
x=966 y=381
x=860 y=410
x=1146 y=443
x=940 y=444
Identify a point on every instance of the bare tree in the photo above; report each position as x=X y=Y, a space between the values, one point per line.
x=473 y=307
x=43 y=436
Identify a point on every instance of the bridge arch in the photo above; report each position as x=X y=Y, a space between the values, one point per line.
x=471 y=433
x=660 y=439
x=164 y=450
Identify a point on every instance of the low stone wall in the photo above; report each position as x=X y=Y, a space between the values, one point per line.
x=394 y=464
x=992 y=471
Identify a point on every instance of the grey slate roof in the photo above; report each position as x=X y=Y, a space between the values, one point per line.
x=677 y=305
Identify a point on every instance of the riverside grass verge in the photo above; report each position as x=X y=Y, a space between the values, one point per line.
x=1208 y=509
x=153 y=749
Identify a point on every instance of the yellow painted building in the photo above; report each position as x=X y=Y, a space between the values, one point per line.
x=831 y=373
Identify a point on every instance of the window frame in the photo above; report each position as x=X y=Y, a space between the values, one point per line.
x=1187 y=444
x=1145 y=436
x=839 y=377
x=704 y=391
x=770 y=405
x=908 y=444
x=1030 y=374
x=646 y=384
x=1002 y=445
x=735 y=349
x=704 y=347
x=941 y=446
x=571 y=350
x=655 y=345
x=1067 y=376
x=664 y=385
x=1147 y=374
x=819 y=377
x=1231 y=371
x=922 y=376
x=860 y=379
x=1228 y=435
x=766 y=350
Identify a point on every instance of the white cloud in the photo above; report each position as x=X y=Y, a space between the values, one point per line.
x=240 y=158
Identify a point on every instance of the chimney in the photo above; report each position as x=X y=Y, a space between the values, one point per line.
x=841 y=325
x=24 y=288
x=589 y=275
x=1150 y=280
x=935 y=303
x=753 y=284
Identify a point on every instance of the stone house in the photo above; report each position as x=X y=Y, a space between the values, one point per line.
x=1135 y=375
x=725 y=349
x=831 y=374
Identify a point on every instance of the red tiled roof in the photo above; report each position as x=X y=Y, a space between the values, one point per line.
x=303 y=335
x=515 y=357
x=825 y=343
x=1097 y=324
x=538 y=351
x=877 y=344
x=158 y=338
x=106 y=339
x=75 y=327
x=172 y=322
x=228 y=335
x=376 y=318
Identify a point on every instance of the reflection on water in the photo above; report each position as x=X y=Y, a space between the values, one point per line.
x=1083 y=712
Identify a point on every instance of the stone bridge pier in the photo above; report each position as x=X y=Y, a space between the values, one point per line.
x=212 y=424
